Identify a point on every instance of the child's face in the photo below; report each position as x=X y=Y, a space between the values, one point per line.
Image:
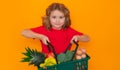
x=57 y=19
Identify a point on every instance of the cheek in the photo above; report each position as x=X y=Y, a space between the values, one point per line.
x=62 y=20
x=52 y=20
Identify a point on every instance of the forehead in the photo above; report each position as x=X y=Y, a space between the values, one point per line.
x=56 y=13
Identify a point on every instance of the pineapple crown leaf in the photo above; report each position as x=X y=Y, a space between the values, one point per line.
x=25 y=59
x=33 y=57
x=28 y=50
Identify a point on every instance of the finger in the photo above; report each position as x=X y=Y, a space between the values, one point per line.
x=75 y=40
x=47 y=40
x=71 y=42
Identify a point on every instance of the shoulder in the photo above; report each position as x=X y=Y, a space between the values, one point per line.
x=38 y=28
x=73 y=31
x=70 y=29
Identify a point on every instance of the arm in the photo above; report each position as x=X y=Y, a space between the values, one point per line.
x=30 y=34
x=81 y=38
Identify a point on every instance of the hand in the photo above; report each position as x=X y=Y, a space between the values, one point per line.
x=82 y=38
x=75 y=38
x=44 y=39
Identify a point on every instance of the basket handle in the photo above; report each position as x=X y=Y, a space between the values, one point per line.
x=50 y=47
x=75 y=48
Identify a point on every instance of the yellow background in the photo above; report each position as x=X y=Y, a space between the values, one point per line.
x=100 y=19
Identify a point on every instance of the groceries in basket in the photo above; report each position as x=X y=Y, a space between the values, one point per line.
x=42 y=60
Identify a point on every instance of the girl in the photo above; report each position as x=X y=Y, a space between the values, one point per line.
x=56 y=29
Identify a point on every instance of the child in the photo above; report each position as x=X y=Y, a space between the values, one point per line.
x=56 y=29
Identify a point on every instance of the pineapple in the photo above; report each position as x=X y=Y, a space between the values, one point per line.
x=33 y=57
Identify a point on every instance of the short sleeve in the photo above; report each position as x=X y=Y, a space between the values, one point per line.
x=72 y=32
x=75 y=32
x=40 y=30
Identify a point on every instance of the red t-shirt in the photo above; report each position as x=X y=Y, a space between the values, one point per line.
x=60 y=39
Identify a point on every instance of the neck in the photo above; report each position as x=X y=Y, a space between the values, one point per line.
x=57 y=28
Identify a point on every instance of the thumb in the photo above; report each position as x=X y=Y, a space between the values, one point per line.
x=75 y=40
x=47 y=40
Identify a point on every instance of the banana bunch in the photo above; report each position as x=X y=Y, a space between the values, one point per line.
x=48 y=62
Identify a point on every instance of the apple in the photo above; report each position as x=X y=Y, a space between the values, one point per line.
x=78 y=57
x=50 y=54
x=79 y=51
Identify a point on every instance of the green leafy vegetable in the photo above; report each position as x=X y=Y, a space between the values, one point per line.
x=64 y=57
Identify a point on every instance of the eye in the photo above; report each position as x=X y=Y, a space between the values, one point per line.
x=61 y=17
x=53 y=16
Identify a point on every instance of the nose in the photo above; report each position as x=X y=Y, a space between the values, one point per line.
x=57 y=20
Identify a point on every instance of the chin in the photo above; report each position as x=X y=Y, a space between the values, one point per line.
x=57 y=28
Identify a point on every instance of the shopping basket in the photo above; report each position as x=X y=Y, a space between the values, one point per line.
x=81 y=64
